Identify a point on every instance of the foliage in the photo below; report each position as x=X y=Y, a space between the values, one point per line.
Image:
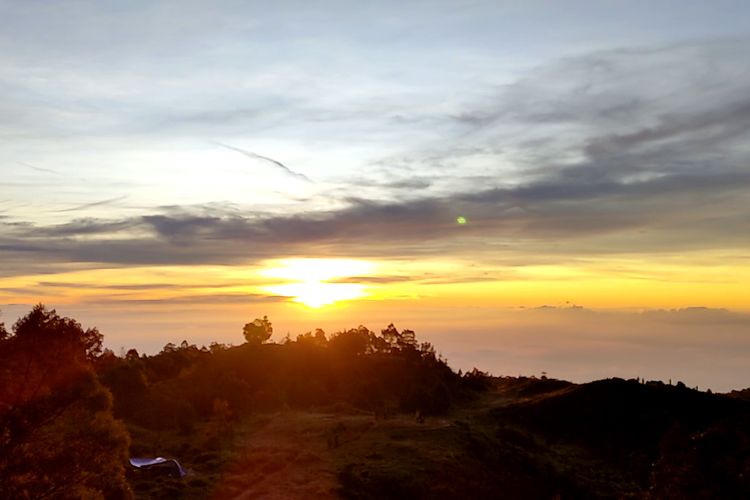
x=180 y=386
x=58 y=437
x=257 y=332
x=477 y=379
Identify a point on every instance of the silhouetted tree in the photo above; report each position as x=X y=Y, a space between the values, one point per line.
x=317 y=338
x=408 y=339
x=258 y=332
x=129 y=386
x=391 y=336
x=351 y=342
x=58 y=438
x=215 y=347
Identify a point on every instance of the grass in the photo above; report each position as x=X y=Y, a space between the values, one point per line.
x=494 y=446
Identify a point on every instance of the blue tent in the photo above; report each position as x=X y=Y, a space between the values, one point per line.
x=169 y=466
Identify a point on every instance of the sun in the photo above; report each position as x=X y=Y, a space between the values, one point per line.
x=317 y=293
x=313 y=281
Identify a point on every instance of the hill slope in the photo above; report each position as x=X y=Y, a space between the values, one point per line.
x=523 y=438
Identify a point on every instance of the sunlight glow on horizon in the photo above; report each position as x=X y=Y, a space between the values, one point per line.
x=310 y=280
x=708 y=279
x=318 y=293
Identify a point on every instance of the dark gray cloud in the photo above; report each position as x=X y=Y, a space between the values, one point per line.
x=74 y=228
x=583 y=216
x=615 y=110
x=406 y=183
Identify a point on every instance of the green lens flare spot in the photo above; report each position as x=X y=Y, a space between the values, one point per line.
x=461 y=220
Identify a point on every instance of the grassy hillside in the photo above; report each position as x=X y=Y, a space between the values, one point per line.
x=521 y=438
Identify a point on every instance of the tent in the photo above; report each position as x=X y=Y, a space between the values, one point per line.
x=168 y=466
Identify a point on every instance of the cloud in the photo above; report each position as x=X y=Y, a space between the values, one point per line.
x=74 y=228
x=621 y=110
x=665 y=214
x=698 y=345
x=372 y=279
x=625 y=151
x=697 y=315
x=99 y=203
x=267 y=160
x=217 y=298
x=41 y=169
x=133 y=287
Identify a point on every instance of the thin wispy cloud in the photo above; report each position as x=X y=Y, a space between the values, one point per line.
x=267 y=160
x=40 y=169
x=99 y=203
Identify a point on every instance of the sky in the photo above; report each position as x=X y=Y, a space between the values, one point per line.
x=531 y=186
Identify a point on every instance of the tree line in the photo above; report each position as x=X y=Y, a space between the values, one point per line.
x=66 y=402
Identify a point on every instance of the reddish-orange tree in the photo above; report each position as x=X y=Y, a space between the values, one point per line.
x=58 y=438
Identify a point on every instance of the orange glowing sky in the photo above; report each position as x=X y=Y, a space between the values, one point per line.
x=567 y=196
